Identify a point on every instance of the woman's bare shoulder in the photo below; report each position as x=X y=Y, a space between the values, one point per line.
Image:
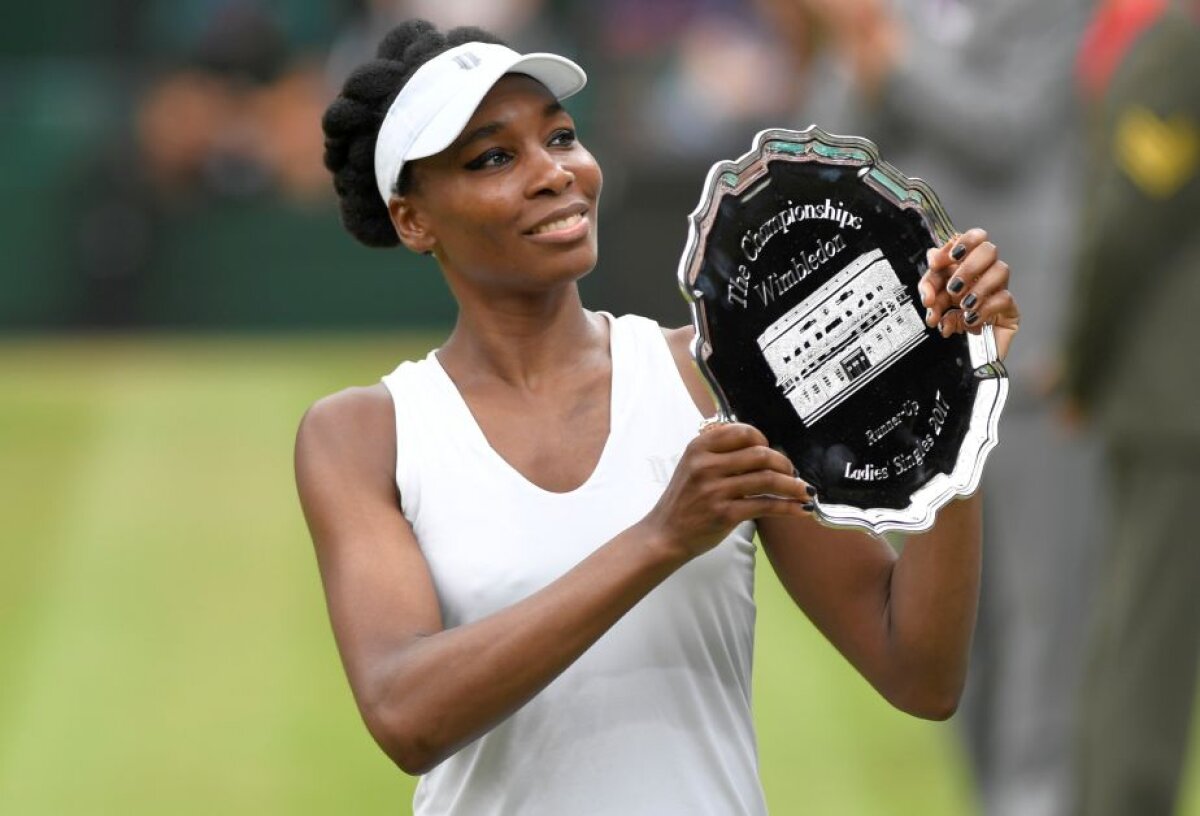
x=351 y=432
x=360 y=402
x=680 y=339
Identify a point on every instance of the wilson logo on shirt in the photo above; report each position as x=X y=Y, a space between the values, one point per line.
x=662 y=467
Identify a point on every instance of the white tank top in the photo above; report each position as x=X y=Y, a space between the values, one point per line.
x=655 y=717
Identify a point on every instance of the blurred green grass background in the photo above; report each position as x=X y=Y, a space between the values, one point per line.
x=163 y=642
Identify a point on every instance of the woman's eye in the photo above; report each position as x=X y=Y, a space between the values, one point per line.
x=492 y=158
x=563 y=137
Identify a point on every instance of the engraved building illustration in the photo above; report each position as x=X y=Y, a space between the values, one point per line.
x=842 y=336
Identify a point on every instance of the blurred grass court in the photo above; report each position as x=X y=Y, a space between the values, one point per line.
x=163 y=643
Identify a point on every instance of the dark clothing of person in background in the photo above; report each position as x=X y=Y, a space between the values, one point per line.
x=1131 y=368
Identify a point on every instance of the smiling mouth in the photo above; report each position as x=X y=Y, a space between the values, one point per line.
x=556 y=226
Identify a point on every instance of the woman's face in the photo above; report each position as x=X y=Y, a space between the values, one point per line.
x=512 y=202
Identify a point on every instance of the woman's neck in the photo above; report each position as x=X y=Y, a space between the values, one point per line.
x=521 y=340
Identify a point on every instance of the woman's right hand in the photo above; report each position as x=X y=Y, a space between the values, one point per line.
x=727 y=475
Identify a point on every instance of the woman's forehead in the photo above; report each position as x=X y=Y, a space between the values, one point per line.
x=512 y=95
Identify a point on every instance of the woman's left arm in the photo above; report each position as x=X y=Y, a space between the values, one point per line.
x=905 y=621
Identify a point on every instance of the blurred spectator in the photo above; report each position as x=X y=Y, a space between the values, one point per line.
x=721 y=82
x=239 y=118
x=233 y=118
x=1130 y=371
x=976 y=98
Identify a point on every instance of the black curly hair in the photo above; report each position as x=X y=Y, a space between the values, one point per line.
x=351 y=122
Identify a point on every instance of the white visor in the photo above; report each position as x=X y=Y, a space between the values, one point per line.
x=435 y=105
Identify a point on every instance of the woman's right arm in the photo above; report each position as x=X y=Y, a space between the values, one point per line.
x=425 y=691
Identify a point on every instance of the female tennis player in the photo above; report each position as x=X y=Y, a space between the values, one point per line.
x=539 y=573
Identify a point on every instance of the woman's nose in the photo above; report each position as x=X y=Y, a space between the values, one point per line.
x=550 y=175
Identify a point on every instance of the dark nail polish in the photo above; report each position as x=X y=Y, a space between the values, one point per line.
x=958 y=252
x=809 y=507
x=812 y=491
x=956 y=286
x=928 y=315
x=970 y=317
x=969 y=301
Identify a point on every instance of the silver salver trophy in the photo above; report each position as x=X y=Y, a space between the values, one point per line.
x=801 y=269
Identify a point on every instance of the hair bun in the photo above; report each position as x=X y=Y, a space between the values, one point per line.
x=396 y=42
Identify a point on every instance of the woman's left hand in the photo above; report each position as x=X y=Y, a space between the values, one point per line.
x=966 y=288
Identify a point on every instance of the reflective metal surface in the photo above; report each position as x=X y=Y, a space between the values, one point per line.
x=801 y=269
